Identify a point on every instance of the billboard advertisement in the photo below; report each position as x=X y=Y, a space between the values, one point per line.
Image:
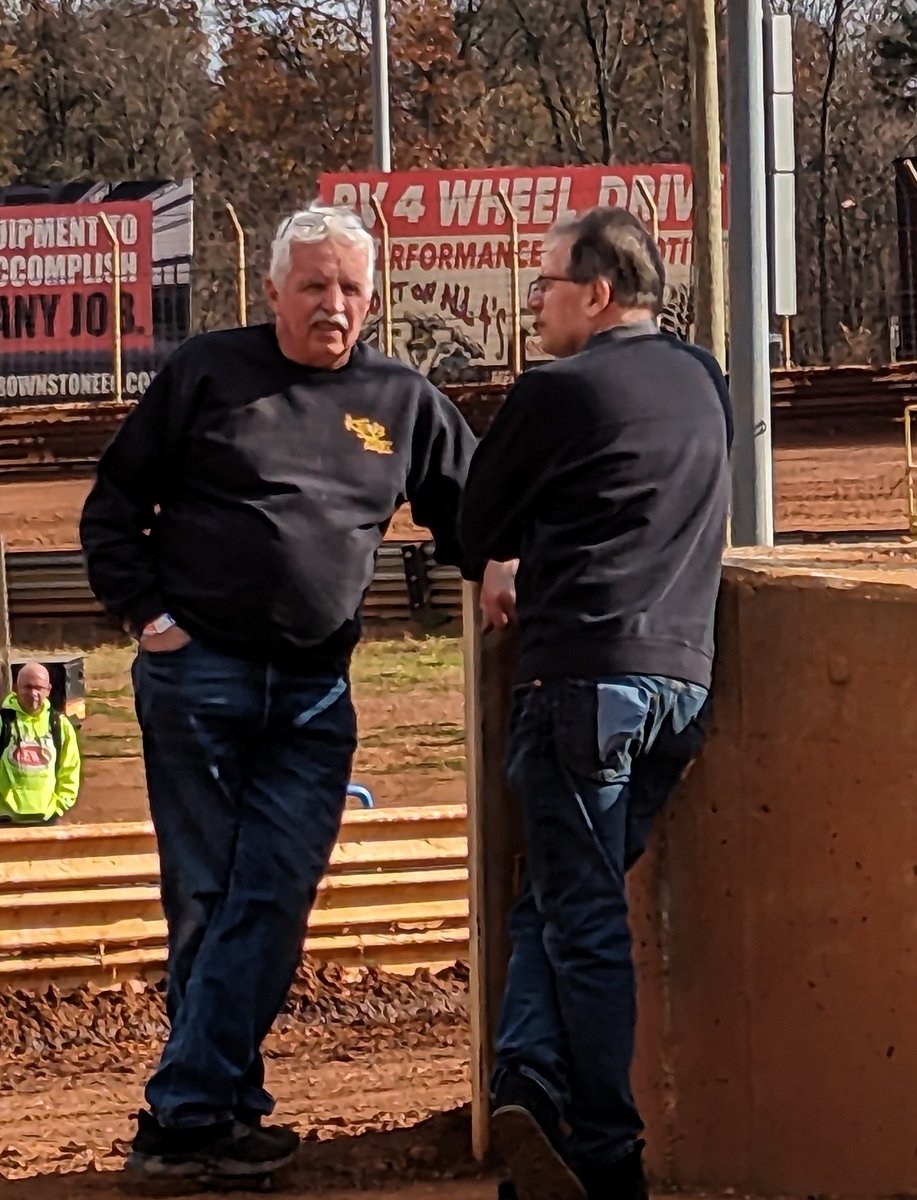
x=56 y=296
x=450 y=250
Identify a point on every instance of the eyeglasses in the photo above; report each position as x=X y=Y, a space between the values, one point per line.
x=537 y=287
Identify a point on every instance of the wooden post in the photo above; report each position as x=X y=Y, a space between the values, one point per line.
x=494 y=845
x=651 y=205
x=6 y=670
x=386 y=343
x=515 y=345
x=706 y=169
x=241 y=283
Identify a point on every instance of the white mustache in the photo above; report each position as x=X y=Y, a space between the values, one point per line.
x=338 y=320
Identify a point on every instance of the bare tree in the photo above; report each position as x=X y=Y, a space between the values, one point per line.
x=834 y=39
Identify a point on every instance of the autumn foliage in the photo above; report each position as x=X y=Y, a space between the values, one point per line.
x=254 y=100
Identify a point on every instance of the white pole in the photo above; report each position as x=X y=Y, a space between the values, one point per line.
x=382 y=137
x=749 y=365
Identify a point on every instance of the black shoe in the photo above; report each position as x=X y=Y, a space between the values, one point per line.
x=506 y=1190
x=248 y=1116
x=286 y=1139
x=227 y=1151
x=526 y=1132
x=621 y=1180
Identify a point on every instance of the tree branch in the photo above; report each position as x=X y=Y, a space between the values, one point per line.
x=601 y=81
x=821 y=211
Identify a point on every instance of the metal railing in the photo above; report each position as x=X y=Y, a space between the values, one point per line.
x=52 y=584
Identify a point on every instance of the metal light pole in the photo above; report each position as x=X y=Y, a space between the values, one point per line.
x=382 y=137
x=749 y=365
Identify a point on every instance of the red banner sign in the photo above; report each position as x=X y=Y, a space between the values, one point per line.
x=56 y=270
x=450 y=203
x=450 y=254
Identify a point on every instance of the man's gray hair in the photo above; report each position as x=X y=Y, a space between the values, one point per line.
x=320 y=223
x=612 y=244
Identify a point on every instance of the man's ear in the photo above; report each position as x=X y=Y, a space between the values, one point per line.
x=601 y=295
x=270 y=291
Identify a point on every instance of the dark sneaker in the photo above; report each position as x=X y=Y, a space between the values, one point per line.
x=526 y=1132
x=227 y=1151
x=621 y=1180
x=286 y=1139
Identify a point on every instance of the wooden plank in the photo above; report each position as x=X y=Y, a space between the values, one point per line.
x=352 y=857
x=139 y=930
x=22 y=910
x=420 y=888
x=494 y=847
x=79 y=918
x=379 y=824
x=396 y=917
x=44 y=874
x=130 y=931
x=418 y=854
x=359 y=825
x=403 y=953
x=12 y=904
x=35 y=843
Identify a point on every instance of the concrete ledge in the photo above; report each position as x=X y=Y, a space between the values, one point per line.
x=777 y=920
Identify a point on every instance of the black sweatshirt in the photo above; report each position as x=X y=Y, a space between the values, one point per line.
x=606 y=474
x=266 y=488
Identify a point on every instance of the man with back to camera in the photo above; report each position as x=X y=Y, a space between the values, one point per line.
x=606 y=475
x=266 y=463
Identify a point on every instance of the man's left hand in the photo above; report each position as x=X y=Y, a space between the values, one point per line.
x=498 y=594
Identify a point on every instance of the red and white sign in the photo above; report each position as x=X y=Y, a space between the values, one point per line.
x=450 y=253
x=56 y=270
x=31 y=756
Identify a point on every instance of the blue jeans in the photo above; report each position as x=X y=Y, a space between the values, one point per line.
x=592 y=765
x=247 y=769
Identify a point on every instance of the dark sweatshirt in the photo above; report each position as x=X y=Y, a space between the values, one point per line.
x=247 y=495
x=606 y=474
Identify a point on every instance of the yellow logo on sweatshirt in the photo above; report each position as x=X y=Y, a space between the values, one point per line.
x=373 y=435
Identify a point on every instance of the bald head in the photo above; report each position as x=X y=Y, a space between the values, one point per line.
x=33 y=686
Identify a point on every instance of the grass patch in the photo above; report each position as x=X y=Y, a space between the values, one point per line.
x=442 y=733
x=110 y=745
x=125 y=692
x=434 y=661
x=111 y=664
x=101 y=706
x=425 y=766
x=426 y=669
x=402 y=663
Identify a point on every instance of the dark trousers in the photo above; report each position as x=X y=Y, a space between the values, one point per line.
x=247 y=769
x=592 y=765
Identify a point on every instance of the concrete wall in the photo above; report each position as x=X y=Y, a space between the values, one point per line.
x=776 y=920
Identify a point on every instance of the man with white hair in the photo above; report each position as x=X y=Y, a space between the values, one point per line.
x=233 y=528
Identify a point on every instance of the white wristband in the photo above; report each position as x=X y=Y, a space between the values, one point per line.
x=162 y=624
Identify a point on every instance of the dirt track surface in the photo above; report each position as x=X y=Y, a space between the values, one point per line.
x=841 y=486
x=854 y=483
x=372 y=1072
x=46 y=516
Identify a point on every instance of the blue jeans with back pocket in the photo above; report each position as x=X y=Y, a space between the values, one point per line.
x=592 y=764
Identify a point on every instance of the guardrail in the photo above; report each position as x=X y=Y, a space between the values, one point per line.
x=51 y=584
x=80 y=903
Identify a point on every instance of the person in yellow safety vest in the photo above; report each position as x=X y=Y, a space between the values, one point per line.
x=39 y=755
